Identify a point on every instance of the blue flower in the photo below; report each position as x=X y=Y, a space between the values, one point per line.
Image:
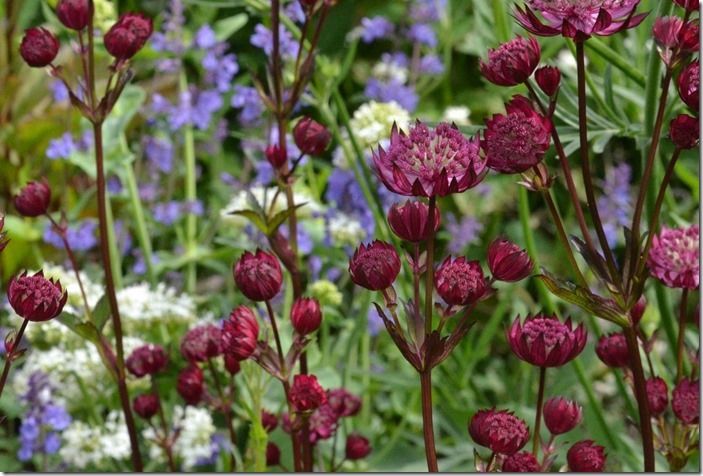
x=615 y=203
x=167 y=213
x=375 y=28
x=59 y=91
x=56 y=417
x=52 y=443
x=295 y=11
x=462 y=232
x=263 y=39
x=205 y=38
x=247 y=99
x=81 y=236
x=375 y=322
x=423 y=33
x=427 y=11
x=392 y=90
x=159 y=152
x=206 y=105
x=431 y=64
x=61 y=148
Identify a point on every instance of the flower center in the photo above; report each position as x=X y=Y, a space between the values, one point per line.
x=552 y=331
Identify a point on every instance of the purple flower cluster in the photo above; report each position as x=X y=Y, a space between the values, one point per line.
x=81 y=236
x=615 y=203
x=43 y=422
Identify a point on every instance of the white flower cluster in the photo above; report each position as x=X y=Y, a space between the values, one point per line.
x=372 y=122
x=144 y=309
x=195 y=431
x=345 y=230
x=86 y=445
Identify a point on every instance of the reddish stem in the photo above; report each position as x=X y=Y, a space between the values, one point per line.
x=9 y=356
x=427 y=423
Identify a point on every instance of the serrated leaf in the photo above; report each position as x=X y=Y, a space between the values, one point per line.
x=255 y=219
x=86 y=330
x=229 y=26
x=101 y=312
x=280 y=217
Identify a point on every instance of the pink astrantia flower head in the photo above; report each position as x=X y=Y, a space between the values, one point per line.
x=689 y=85
x=686 y=401
x=258 y=275
x=240 y=333
x=586 y=457
x=612 y=350
x=499 y=430
x=657 y=395
x=512 y=62
x=202 y=343
x=516 y=141
x=673 y=259
x=374 y=266
x=675 y=39
x=36 y=298
x=578 y=19
x=522 y=462
x=544 y=341
x=507 y=261
x=684 y=131
x=306 y=394
x=460 y=282
x=561 y=415
x=429 y=163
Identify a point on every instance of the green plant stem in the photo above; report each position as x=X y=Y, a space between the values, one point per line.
x=427 y=424
x=682 y=335
x=586 y=163
x=140 y=224
x=226 y=412
x=642 y=400
x=191 y=196
x=538 y=416
x=612 y=57
x=9 y=356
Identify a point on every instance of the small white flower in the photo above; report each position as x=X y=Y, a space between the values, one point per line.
x=457 y=114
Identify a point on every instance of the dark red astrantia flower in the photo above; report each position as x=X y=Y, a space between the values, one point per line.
x=685 y=401
x=548 y=79
x=273 y=454
x=689 y=5
x=689 y=84
x=561 y=415
x=507 y=261
x=191 y=385
x=675 y=39
x=128 y=35
x=586 y=457
x=544 y=341
x=36 y=298
x=39 y=47
x=522 y=462
x=409 y=221
x=511 y=63
x=499 y=430
x=344 y=403
x=146 y=405
x=202 y=343
x=460 y=282
x=311 y=137
x=258 y=276
x=516 y=141
x=673 y=258
x=148 y=359
x=357 y=447
x=306 y=315
x=240 y=333
x=306 y=394
x=684 y=131
x=74 y=14
x=429 y=163
x=269 y=421
x=612 y=350
x=34 y=199
x=374 y=266
x=657 y=395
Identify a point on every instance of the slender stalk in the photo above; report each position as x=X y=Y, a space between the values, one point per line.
x=682 y=334
x=642 y=400
x=167 y=444
x=586 y=163
x=427 y=425
x=226 y=409
x=9 y=356
x=538 y=416
x=277 y=338
x=429 y=283
x=140 y=224
x=191 y=196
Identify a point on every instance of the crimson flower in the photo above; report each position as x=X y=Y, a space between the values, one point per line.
x=689 y=5
x=240 y=333
x=39 y=47
x=146 y=405
x=516 y=141
x=344 y=404
x=202 y=343
x=561 y=415
x=673 y=258
x=306 y=315
x=311 y=137
x=409 y=221
x=684 y=131
x=512 y=62
x=507 y=261
x=578 y=19
x=273 y=454
x=147 y=360
x=128 y=35
x=544 y=341
x=675 y=39
x=548 y=79
x=522 y=462
x=231 y=363
x=374 y=266
x=323 y=423
x=499 y=430
x=269 y=421
x=74 y=14
x=586 y=457
x=612 y=350
x=429 y=163
x=258 y=276
x=33 y=199
x=191 y=385
x=306 y=394
x=657 y=395
x=460 y=282
x=36 y=298
x=689 y=84
x=275 y=156
x=685 y=401
x=357 y=447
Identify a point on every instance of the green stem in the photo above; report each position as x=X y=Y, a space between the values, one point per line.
x=190 y=196
x=682 y=335
x=538 y=416
x=612 y=57
x=140 y=224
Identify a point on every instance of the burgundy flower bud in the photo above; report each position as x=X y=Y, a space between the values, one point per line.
x=675 y=39
x=3 y=235
x=507 y=261
x=146 y=406
x=657 y=395
x=191 y=385
x=357 y=448
x=269 y=421
x=202 y=343
x=689 y=5
x=460 y=282
x=522 y=462
x=147 y=360
x=258 y=276
x=240 y=333
x=74 y=14
x=548 y=79
x=306 y=315
x=374 y=266
x=612 y=350
x=409 y=221
x=685 y=401
x=499 y=430
x=323 y=423
x=586 y=457
x=544 y=341
x=273 y=454
x=343 y=403
x=128 y=35
x=39 y=47
x=36 y=298
x=34 y=199
x=311 y=137
x=637 y=310
x=561 y=415
x=688 y=85
x=306 y=394
x=232 y=364
x=511 y=63
x=684 y=131
x=275 y=156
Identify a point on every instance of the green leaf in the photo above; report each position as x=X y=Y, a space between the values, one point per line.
x=256 y=219
x=101 y=312
x=229 y=26
x=86 y=330
x=280 y=217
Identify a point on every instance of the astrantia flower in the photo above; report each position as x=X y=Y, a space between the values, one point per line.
x=306 y=315
x=522 y=462
x=548 y=79
x=357 y=447
x=39 y=47
x=202 y=343
x=429 y=162
x=612 y=350
x=586 y=457
x=516 y=141
x=689 y=5
x=34 y=199
x=561 y=415
x=410 y=221
x=374 y=266
x=686 y=401
x=306 y=394
x=544 y=341
x=512 y=62
x=269 y=421
x=459 y=281
x=675 y=39
x=673 y=258
x=74 y=14
x=689 y=84
x=147 y=360
x=258 y=276
x=323 y=423
x=344 y=404
x=129 y=35
x=240 y=333
x=146 y=405
x=579 y=19
x=191 y=384
x=507 y=261
x=684 y=131
x=36 y=298
x=273 y=454
x=499 y=430
x=657 y=395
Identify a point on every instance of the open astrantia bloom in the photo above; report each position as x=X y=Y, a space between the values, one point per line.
x=429 y=163
x=545 y=341
x=578 y=19
x=673 y=258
